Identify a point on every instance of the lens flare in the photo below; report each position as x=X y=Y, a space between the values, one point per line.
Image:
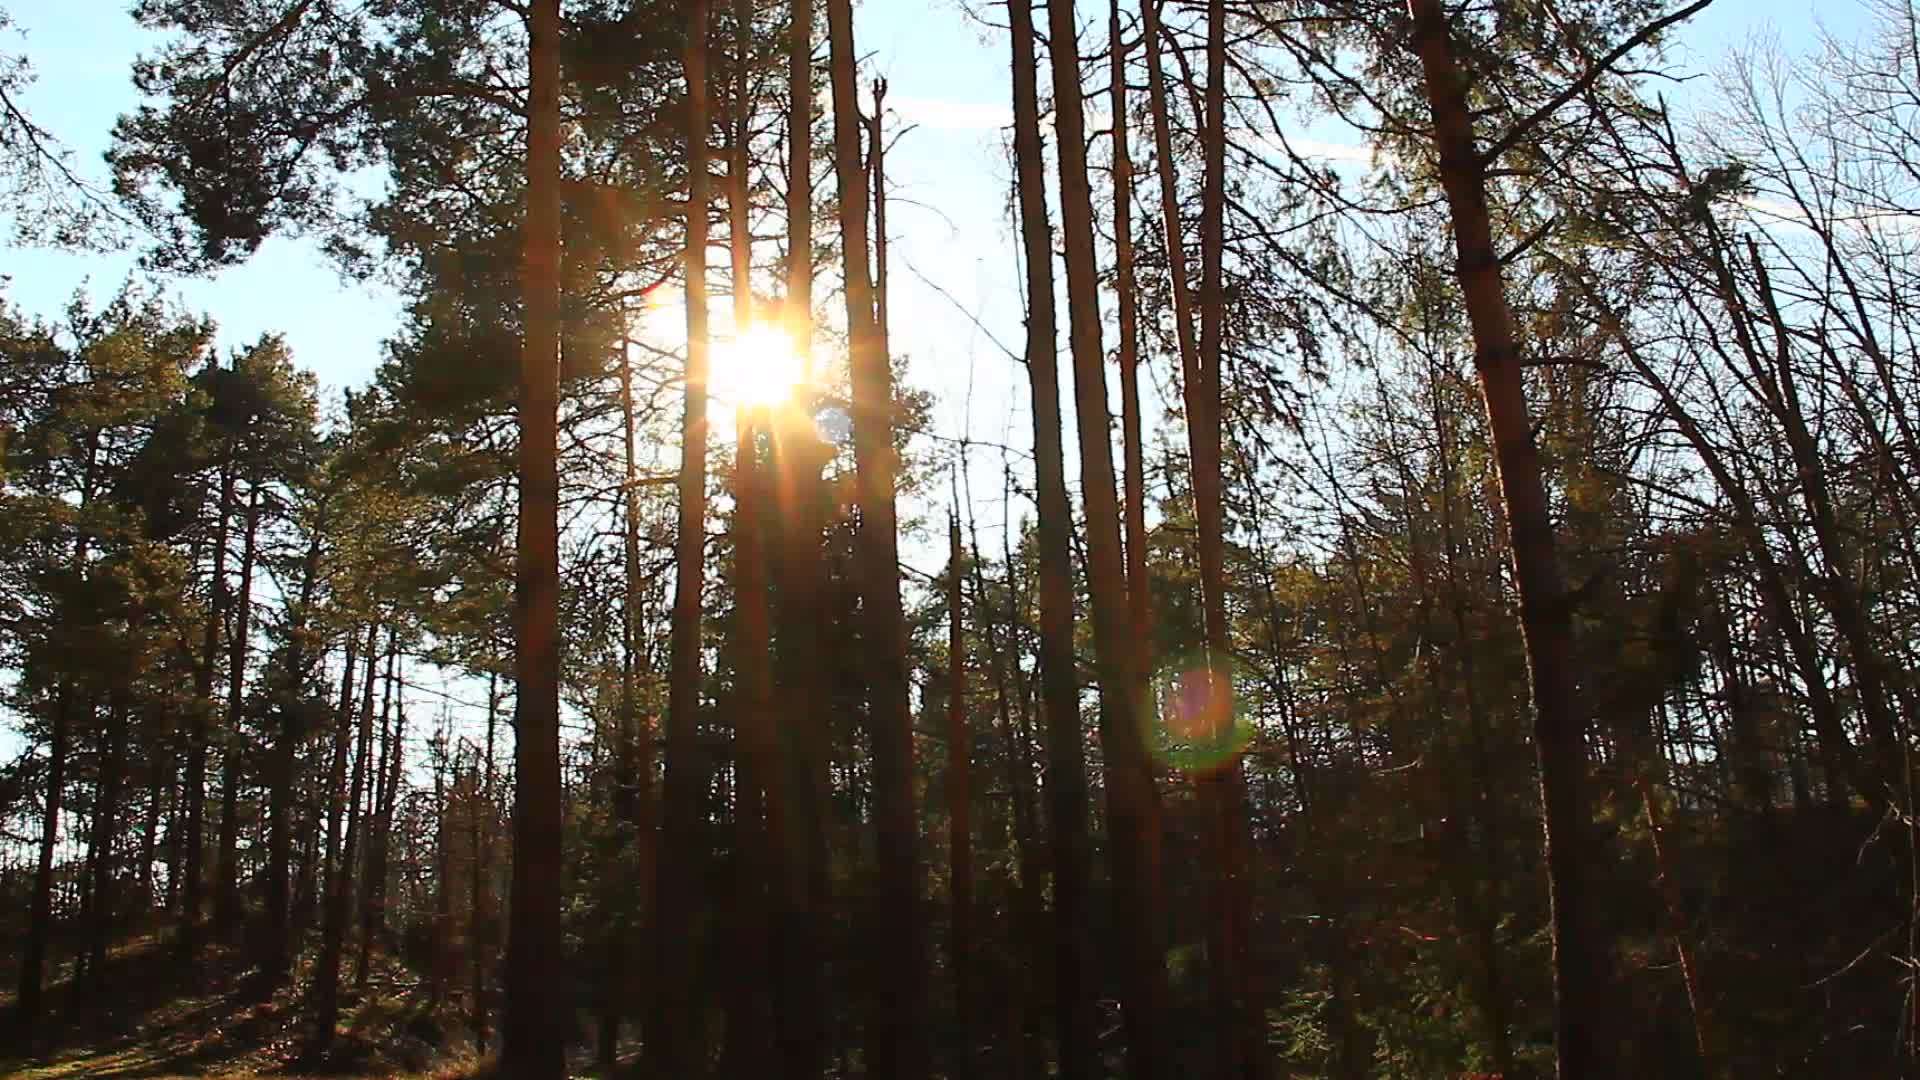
x=1194 y=719
x=756 y=368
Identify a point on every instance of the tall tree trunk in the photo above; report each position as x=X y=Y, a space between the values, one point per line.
x=675 y=1040
x=1066 y=772
x=373 y=897
x=1237 y=1037
x=895 y=1044
x=959 y=809
x=1126 y=288
x=226 y=900
x=877 y=167
x=106 y=829
x=1026 y=935
x=33 y=956
x=631 y=797
x=442 y=937
x=1582 y=965
x=758 y=798
x=371 y=880
x=1170 y=196
x=325 y=992
x=159 y=780
x=799 y=456
x=198 y=718
x=1132 y=798
x=277 y=951
x=534 y=1031
x=799 y=521
x=480 y=942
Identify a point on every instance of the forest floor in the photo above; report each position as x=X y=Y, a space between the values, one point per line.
x=160 y=1019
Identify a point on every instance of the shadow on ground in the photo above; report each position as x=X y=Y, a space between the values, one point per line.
x=156 y=1016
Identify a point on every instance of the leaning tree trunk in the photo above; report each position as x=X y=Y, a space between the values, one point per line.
x=896 y=1046
x=1582 y=967
x=674 y=1041
x=1066 y=786
x=1132 y=798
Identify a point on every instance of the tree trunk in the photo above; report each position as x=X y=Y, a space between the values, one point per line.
x=1066 y=771
x=535 y=1029
x=799 y=456
x=373 y=896
x=895 y=1045
x=1132 y=798
x=340 y=838
x=226 y=900
x=1237 y=1037
x=1125 y=287
x=675 y=1040
x=277 y=952
x=106 y=829
x=1027 y=934
x=33 y=957
x=757 y=814
x=959 y=809
x=198 y=717
x=877 y=167
x=372 y=880
x=1582 y=964
x=481 y=940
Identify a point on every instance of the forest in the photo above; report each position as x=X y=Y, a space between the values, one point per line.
x=1441 y=602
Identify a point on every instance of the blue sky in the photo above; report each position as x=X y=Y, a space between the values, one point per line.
x=947 y=72
x=953 y=247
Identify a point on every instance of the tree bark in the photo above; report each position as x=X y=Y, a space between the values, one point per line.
x=1582 y=964
x=799 y=456
x=373 y=898
x=959 y=809
x=226 y=901
x=1066 y=773
x=1132 y=798
x=758 y=798
x=1237 y=1038
x=895 y=1044
x=325 y=992
x=277 y=953
x=675 y=1041
x=198 y=717
x=534 y=1032
x=33 y=957
x=481 y=939
x=106 y=828
x=1126 y=288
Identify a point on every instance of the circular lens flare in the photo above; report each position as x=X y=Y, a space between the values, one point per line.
x=755 y=368
x=1196 y=725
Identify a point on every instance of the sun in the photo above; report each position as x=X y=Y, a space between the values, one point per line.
x=756 y=368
